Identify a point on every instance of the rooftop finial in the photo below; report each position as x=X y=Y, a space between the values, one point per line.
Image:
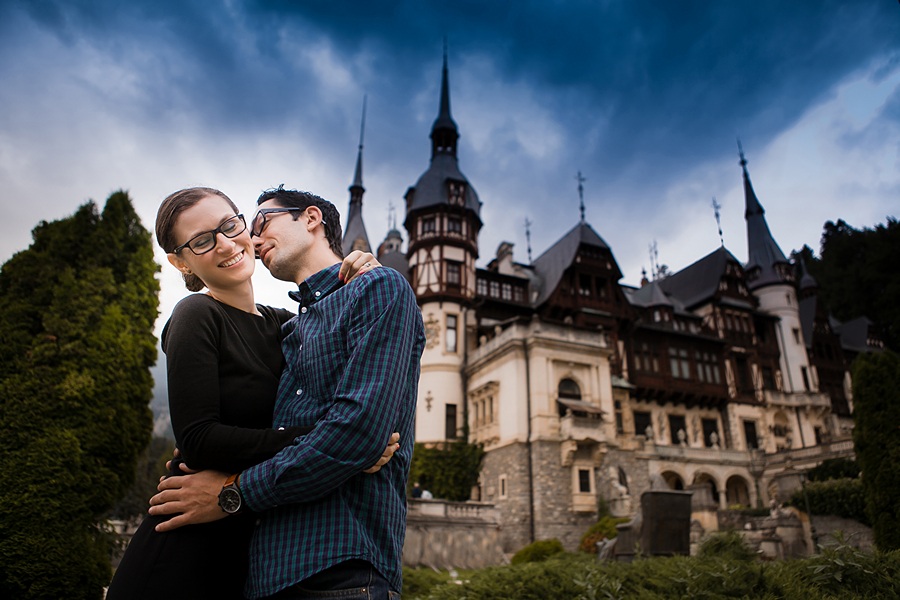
x=392 y=216
x=654 y=260
x=716 y=206
x=528 y=237
x=581 y=180
x=743 y=161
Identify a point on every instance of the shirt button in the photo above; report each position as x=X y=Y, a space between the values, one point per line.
x=303 y=310
x=281 y=429
x=299 y=392
x=318 y=294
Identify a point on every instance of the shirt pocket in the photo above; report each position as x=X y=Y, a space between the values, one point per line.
x=322 y=362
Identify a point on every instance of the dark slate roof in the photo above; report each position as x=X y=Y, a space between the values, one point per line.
x=807 y=281
x=550 y=265
x=650 y=295
x=698 y=282
x=397 y=261
x=355 y=229
x=808 y=318
x=854 y=334
x=762 y=250
x=432 y=188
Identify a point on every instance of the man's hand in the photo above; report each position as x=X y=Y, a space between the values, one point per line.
x=355 y=264
x=392 y=447
x=192 y=498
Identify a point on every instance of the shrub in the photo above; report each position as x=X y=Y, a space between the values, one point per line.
x=604 y=529
x=419 y=582
x=876 y=412
x=834 y=468
x=538 y=551
x=729 y=545
x=839 y=497
x=553 y=578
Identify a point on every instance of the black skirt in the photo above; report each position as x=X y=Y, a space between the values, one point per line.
x=194 y=561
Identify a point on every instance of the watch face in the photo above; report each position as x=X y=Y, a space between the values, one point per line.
x=230 y=500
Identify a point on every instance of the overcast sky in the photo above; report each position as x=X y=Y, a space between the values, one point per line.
x=645 y=97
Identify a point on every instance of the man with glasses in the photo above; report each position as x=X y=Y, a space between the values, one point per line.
x=352 y=356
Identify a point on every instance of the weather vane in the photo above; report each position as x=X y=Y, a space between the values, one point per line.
x=716 y=206
x=581 y=180
x=528 y=237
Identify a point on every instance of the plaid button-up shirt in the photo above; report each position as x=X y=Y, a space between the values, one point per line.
x=352 y=370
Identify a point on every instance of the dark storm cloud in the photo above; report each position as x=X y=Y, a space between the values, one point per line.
x=694 y=73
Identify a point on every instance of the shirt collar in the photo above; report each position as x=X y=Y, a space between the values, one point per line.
x=317 y=286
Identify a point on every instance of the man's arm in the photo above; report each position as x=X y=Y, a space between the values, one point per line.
x=193 y=497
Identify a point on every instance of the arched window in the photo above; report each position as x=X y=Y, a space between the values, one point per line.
x=569 y=389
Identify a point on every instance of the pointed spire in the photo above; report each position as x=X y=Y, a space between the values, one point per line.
x=355 y=236
x=766 y=263
x=444 y=132
x=357 y=178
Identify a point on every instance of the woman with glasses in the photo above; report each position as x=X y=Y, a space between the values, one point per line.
x=224 y=362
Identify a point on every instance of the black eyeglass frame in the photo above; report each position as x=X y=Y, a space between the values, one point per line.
x=261 y=217
x=214 y=233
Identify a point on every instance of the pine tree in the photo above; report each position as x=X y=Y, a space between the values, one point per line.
x=77 y=310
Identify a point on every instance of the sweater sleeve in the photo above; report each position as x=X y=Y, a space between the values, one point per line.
x=193 y=341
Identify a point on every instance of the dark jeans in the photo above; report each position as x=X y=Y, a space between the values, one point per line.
x=349 y=580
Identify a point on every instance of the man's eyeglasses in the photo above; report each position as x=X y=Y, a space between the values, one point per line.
x=206 y=241
x=260 y=220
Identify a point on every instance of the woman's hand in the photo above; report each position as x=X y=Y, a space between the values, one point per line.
x=355 y=264
x=392 y=447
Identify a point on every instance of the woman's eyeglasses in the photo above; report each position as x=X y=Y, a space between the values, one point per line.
x=206 y=241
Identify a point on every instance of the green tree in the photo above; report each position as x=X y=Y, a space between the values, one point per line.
x=77 y=310
x=876 y=394
x=450 y=471
x=857 y=274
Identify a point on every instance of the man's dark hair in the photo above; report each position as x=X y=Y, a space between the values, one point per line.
x=331 y=219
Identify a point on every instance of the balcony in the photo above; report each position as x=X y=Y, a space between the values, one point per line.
x=797 y=399
x=581 y=429
x=702 y=455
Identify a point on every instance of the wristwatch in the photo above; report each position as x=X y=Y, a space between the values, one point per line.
x=230 y=499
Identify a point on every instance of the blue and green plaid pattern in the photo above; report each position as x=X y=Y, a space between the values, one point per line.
x=352 y=371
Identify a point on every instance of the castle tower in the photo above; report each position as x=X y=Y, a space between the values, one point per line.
x=355 y=237
x=442 y=221
x=770 y=277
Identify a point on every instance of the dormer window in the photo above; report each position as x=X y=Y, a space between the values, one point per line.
x=457 y=195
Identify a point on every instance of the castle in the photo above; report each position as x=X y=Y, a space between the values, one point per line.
x=723 y=378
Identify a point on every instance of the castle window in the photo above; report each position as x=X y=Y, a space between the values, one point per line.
x=642 y=422
x=584 y=285
x=584 y=481
x=750 y=435
x=450 y=422
x=710 y=426
x=679 y=363
x=805 y=373
x=506 y=292
x=454 y=225
x=450 y=338
x=481 y=287
x=768 y=378
x=495 y=289
x=429 y=225
x=453 y=274
x=503 y=490
x=676 y=424
x=457 y=193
